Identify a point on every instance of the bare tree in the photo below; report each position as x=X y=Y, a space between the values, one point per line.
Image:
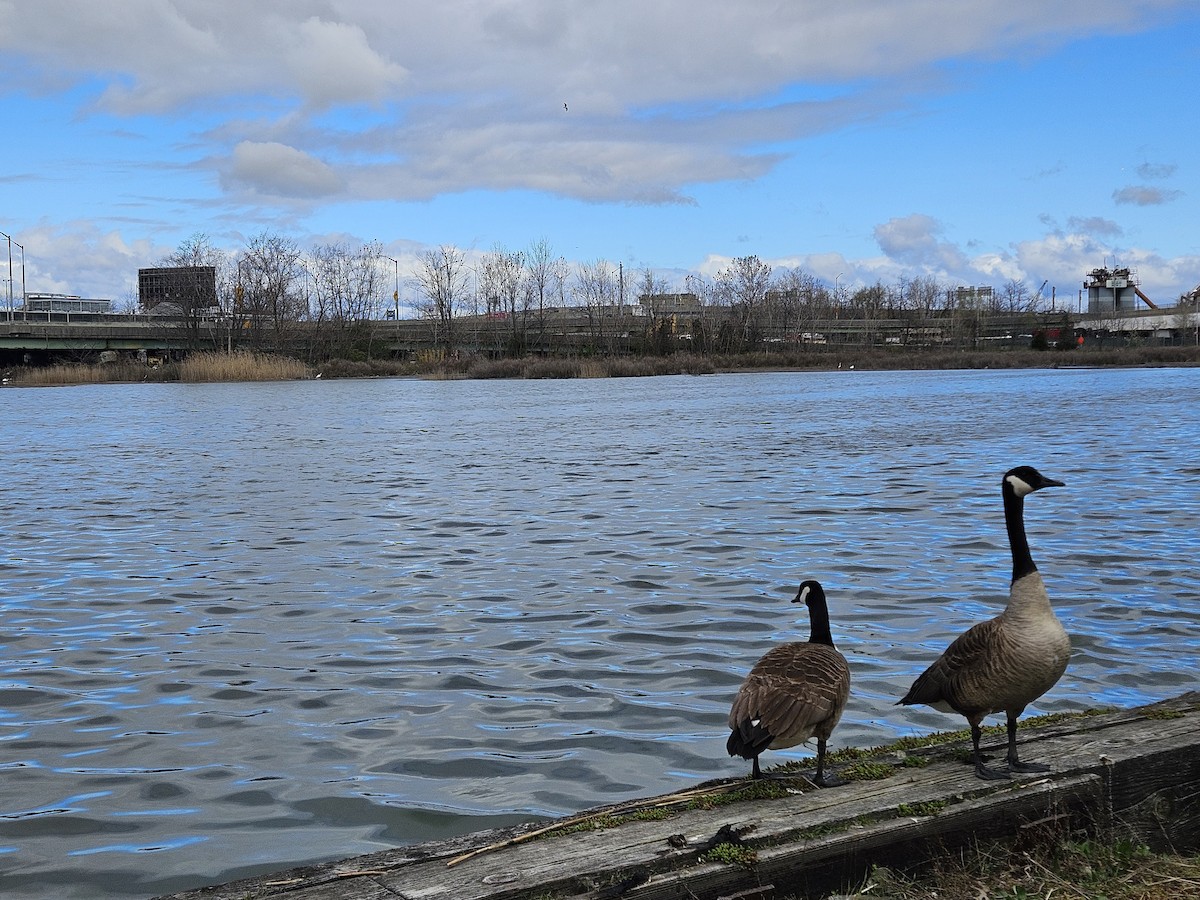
x=797 y=301
x=743 y=287
x=348 y=286
x=596 y=290
x=650 y=283
x=272 y=295
x=868 y=304
x=442 y=278
x=920 y=294
x=501 y=282
x=545 y=281
x=662 y=330
x=701 y=328
x=1015 y=297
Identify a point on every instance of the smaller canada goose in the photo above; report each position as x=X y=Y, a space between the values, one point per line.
x=795 y=692
x=1005 y=663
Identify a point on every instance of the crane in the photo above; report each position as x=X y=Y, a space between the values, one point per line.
x=1037 y=298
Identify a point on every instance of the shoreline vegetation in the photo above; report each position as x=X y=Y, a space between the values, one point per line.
x=247 y=367
x=1044 y=862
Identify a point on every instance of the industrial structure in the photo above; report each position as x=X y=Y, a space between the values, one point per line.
x=1114 y=291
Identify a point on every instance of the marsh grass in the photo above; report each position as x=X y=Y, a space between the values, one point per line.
x=66 y=373
x=199 y=367
x=209 y=367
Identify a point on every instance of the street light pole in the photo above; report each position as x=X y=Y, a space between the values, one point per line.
x=10 y=292
x=396 y=292
x=24 y=296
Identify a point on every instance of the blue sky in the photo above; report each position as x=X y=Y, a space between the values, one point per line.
x=975 y=141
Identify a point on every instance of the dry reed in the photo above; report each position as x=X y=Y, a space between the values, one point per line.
x=208 y=367
x=199 y=367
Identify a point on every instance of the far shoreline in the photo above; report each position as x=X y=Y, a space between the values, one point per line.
x=251 y=367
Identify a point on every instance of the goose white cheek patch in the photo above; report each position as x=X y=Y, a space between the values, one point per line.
x=1020 y=488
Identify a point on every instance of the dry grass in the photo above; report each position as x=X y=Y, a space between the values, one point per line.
x=209 y=367
x=443 y=366
x=80 y=374
x=370 y=368
x=1043 y=865
x=199 y=367
x=567 y=367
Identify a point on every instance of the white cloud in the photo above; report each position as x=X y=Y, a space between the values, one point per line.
x=333 y=62
x=468 y=94
x=276 y=170
x=81 y=259
x=912 y=240
x=627 y=51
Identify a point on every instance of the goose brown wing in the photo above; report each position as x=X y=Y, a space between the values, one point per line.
x=794 y=692
x=948 y=680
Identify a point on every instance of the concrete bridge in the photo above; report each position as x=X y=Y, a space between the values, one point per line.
x=41 y=337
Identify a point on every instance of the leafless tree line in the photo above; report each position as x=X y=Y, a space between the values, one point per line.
x=331 y=300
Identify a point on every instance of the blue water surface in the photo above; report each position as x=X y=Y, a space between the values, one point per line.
x=249 y=626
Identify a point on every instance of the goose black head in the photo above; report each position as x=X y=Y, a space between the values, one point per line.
x=1025 y=480
x=810 y=591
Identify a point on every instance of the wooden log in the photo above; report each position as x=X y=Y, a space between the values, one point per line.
x=1130 y=773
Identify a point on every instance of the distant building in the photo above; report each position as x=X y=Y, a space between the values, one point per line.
x=669 y=304
x=981 y=297
x=187 y=287
x=65 y=303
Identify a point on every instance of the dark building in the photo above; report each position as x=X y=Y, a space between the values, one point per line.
x=192 y=289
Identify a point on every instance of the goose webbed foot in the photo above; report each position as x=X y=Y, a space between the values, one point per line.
x=827 y=780
x=1015 y=765
x=987 y=773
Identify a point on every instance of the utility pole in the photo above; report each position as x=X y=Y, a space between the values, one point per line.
x=396 y=292
x=10 y=276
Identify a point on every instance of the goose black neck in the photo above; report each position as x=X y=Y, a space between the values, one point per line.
x=1014 y=521
x=818 y=615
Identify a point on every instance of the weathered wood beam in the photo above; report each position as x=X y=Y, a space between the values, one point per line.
x=1130 y=773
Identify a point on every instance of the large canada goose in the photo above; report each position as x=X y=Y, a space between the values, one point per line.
x=1005 y=663
x=795 y=692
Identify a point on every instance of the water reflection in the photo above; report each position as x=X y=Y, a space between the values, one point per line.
x=247 y=626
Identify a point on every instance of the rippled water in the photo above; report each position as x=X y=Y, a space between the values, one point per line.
x=255 y=625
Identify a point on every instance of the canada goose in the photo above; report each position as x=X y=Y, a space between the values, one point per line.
x=797 y=690
x=1007 y=662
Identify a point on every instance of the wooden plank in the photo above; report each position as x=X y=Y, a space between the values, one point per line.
x=1127 y=772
